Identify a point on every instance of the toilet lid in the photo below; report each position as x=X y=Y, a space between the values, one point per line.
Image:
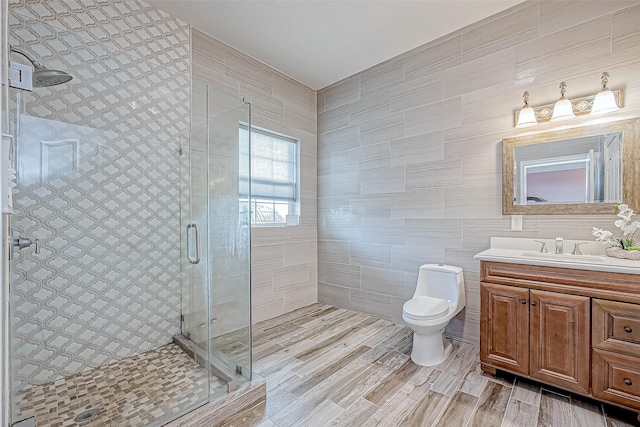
x=424 y=307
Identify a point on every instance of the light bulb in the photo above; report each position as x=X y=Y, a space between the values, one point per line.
x=604 y=101
x=526 y=117
x=562 y=110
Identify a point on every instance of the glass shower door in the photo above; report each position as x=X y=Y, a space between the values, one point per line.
x=216 y=256
x=194 y=275
x=230 y=244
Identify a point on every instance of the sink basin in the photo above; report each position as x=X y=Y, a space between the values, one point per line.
x=514 y=250
x=584 y=259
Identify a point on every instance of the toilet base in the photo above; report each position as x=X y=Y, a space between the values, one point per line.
x=430 y=350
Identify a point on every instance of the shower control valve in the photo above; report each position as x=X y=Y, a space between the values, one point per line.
x=23 y=242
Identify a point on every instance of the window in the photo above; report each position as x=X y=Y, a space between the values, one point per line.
x=274 y=176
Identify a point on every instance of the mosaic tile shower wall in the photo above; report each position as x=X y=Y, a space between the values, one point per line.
x=127 y=26
x=98 y=184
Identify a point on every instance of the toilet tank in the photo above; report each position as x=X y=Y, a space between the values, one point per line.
x=440 y=281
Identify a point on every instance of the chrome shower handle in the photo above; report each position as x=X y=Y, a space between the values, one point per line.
x=23 y=242
x=196 y=259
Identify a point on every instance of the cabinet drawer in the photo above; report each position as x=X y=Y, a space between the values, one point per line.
x=616 y=378
x=616 y=326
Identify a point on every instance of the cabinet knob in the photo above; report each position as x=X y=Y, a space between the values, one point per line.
x=533 y=303
x=627 y=329
x=627 y=381
x=524 y=301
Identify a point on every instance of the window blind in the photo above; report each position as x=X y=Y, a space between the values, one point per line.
x=273 y=165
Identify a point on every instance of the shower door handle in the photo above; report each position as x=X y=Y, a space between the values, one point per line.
x=196 y=259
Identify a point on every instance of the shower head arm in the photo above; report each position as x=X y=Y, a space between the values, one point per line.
x=18 y=51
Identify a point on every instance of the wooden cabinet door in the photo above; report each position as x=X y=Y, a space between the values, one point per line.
x=504 y=327
x=559 y=339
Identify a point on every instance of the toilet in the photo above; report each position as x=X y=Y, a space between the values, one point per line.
x=438 y=298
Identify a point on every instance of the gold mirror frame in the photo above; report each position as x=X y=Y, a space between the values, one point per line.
x=630 y=169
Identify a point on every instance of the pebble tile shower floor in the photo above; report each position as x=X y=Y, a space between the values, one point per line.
x=132 y=392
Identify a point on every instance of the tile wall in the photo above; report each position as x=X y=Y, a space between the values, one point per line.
x=409 y=151
x=283 y=259
x=98 y=184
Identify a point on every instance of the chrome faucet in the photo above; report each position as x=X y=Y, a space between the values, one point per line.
x=559 y=242
x=576 y=248
x=543 y=248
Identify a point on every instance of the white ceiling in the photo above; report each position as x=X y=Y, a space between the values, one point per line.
x=321 y=42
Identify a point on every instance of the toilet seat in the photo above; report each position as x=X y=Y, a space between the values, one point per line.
x=424 y=308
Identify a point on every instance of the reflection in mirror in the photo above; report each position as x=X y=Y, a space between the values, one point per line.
x=579 y=170
x=583 y=170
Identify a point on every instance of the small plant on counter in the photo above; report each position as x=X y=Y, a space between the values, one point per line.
x=629 y=229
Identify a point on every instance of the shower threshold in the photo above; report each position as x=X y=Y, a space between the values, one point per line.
x=220 y=364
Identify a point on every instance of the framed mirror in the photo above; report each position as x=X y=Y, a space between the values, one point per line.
x=585 y=170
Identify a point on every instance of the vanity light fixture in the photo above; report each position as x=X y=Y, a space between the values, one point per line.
x=563 y=109
x=606 y=100
x=526 y=117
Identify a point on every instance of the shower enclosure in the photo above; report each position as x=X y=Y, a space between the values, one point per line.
x=130 y=240
x=216 y=320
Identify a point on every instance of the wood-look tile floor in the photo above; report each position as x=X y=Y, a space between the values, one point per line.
x=326 y=366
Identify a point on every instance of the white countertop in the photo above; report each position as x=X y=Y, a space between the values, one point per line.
x=527 y=251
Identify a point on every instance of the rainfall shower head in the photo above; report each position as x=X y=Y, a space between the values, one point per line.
x=42 y=76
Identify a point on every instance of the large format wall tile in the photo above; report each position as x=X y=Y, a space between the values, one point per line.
x=381 y=77
x=431 y=58
x=485 y=71
x=558 y=15
x=369 y=108
x=343 y=93
x=434 y=117
x=505 y=31
x=370 y=254
x=426 y=147
x=420 y=182
x=416 y=92
x=382 y=281
x=626 y=35
x=284 y=259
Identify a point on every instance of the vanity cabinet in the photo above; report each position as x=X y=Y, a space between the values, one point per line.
x=574 y=329
x=544 y=335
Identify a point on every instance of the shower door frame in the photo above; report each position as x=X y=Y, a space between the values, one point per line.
x=4 y=223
